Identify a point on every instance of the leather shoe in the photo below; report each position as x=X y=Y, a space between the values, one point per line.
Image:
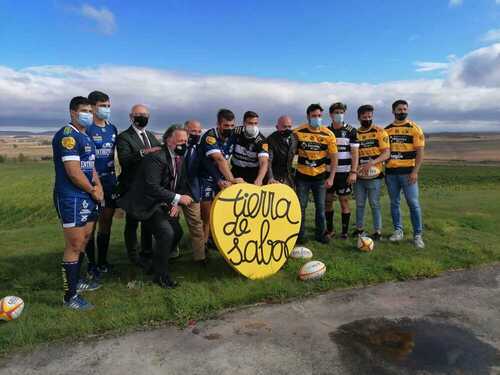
x=165 y=282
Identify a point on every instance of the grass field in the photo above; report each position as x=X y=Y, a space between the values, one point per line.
x=461 y=208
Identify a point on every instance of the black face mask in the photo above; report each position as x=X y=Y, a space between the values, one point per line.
x=401 y=116
x=180 y=150
x=141 y=121
x=227 y=132
x=285 y=133
x=194 y=139
x=366 y=123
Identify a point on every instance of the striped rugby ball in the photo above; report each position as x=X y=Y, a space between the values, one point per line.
x=11 y=308
x=312 y=270
x=365 y=244
x=301 y=252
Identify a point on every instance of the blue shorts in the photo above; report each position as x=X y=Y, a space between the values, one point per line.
x=75 y=211
x=208 y=189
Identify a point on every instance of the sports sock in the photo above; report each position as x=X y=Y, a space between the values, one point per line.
x=345 y=222
x=102 y=248
x=70 y=273
x=329 y=220
x=90 y=250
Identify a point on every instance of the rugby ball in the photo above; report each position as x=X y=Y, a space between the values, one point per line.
x=11 y=308
x=312 y=270
x=372 y=172
x=301 y=252
x=365 y=244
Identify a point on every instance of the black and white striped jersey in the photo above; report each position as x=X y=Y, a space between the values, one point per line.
x=346 y=139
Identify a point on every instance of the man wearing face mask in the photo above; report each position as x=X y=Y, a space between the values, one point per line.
x=316 y=148
x=216 y=147
x=282 y=147
x=347 y=146
x=132 y=146
x=77 y=194
x=407 y=153
x=192 y=213
x=373 y=151
x=158 y=190
x=250 y=155
x=103 y=134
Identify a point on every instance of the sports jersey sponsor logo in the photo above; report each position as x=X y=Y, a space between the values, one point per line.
x=85 y=204
x=88 y=148
x=89 y=164
x=211 y=140
x=398 y=139
x=68 y=143
x=101 y=152
x=310 y=146
x=396 y=155
x=97 y=138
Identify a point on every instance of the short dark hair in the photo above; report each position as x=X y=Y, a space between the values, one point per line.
x=77 y=101
x=97 y=96
x=249 y=114
x=398 y=102
x=337 y=105
x=171 y=129
x=225 y=114
x=365 y=108
x=313 y=107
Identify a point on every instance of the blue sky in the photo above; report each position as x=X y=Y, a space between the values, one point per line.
x=299 y=42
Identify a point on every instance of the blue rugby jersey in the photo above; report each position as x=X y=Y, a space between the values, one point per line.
x=71 y=144
x=212 y=143
x=104 y=138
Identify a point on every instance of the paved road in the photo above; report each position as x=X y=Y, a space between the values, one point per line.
x=447 y=325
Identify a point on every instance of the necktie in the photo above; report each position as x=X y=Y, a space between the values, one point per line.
x=145 y=140
x=177 y=171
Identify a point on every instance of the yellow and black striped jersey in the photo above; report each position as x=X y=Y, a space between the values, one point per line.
x=372 y=143
x=314 y=147
x=405 y=137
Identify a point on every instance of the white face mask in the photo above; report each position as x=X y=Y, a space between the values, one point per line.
x=338 y=118
x=251 y=131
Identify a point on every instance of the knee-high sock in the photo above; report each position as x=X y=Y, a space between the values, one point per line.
x=70 y=273
x=329 y=220
x=102 y=248
x=345 y=222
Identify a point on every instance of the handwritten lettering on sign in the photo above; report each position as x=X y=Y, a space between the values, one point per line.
x=255 y=228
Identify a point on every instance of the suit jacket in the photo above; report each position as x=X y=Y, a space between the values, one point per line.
x=191 y=165
x=152 y=186
x=128 y=147
x=281 y=154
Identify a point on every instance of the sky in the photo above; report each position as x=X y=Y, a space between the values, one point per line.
x=186 y=59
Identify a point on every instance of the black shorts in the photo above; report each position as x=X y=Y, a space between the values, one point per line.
x=340 y=185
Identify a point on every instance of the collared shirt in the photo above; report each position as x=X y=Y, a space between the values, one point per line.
x=104 y=138
x=140 y=132
x=404 y=137
x=175 y=202
x=346 y=139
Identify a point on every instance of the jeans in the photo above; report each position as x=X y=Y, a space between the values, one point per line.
x=370 y=189
x=318 y=189
x=396 y=183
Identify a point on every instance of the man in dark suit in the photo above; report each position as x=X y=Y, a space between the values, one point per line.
x=192 y=213
x=158 y=190
x=132 y=146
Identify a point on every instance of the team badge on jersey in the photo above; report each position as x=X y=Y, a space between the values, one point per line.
x=68 y=142
x=67 y=130
x=211 y=140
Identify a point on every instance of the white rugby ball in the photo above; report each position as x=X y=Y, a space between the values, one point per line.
x=11 y=307
x=301 y=252
x=312 y=270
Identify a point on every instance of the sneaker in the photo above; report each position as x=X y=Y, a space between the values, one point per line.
x=357 y=232
x=166 y=282
x=330 y=234
x=87 y=285
x=104 y=268
x=397 y=236
x=93 y=273
x=419 y=241
x=376 y=236
x=78 y=303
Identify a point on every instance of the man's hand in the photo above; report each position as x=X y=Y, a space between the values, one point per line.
x=329 y=182
x=174 y=211
x=412 y=178
x=238 y=180
x=258 y=181
x=366 y=167
x=351 y=178
x=273 y=181
x=185 y=200
x=223 y=184
x=97 y=194
x=151 y=150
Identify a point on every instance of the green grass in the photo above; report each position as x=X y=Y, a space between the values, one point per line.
x=461 y=208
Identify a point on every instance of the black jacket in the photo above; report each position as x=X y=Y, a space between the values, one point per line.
x=281 y=154
x=128 y=147
x=152 y=186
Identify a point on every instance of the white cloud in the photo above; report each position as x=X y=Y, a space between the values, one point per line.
x=466 y=99
x=492 y=35
x=104 y=18
x=424 y=66
x=455 y=3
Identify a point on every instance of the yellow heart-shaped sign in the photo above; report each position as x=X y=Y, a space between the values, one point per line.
x=256 y=227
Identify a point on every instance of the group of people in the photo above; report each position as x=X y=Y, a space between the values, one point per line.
x=186 y=169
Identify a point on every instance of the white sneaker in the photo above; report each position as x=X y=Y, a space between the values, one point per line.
x=419 y=241
x=396 y=236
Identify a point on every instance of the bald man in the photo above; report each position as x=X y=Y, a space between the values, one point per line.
x=282 y=146
x=132 y=145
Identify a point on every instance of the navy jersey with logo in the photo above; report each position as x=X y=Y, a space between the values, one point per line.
x=104 y=138
x=212 y=143
x=71 y=144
